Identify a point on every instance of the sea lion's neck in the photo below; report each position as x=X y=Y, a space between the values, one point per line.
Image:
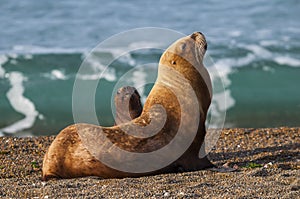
x=186 y=85
x=171 y=78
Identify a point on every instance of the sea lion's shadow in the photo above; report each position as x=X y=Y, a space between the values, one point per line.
x=279 y=154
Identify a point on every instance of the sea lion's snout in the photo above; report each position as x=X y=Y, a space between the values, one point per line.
x=198 y=36
x=195 y=34
x=200 y=41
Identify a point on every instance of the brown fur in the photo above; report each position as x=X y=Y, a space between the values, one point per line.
x=128 y=105
x=68 y=157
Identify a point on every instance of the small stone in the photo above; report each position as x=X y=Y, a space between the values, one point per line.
x=268 y=165
x=295 y=188
x=166 y=194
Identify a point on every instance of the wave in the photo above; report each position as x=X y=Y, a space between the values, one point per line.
x=31 y=49
x=100 y=58
x=3 y=60
x=93 y=68
x=289 y=61
x=56 y=75
x=20 y=104
x=258 y=51
x=25 y=71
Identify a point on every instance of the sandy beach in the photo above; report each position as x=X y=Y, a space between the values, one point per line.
x=268 y=163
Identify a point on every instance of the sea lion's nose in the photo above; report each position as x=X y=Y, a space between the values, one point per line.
x=196 y=34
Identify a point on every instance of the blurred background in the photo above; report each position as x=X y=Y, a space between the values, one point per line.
x=255 y=45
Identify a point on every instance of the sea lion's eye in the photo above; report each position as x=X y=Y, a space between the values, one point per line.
x=183 y=46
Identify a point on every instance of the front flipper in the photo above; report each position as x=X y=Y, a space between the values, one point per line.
x=128 y=105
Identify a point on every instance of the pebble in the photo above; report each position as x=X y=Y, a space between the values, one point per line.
x=19 y=180
x=181 y=193
x=166 y=194
x=268 y=165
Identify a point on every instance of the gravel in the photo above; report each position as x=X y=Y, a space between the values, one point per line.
x=268 y=162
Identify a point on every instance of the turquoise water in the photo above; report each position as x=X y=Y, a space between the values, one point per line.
x=255 y=46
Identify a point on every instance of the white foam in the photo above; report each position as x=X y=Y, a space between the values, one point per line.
x=28 y=56
x=221 y=92
x=13 y=55
x=268 y=69
x=218 y=98
x=31 y=49
x=258 y=51
x=97 y=70
x=41 y=116
x=122 y=55
x=261 y=52
x=219 y=72
x=286 y=38
x=267 y=43
x=293 y=29
x=284 y=60
x=235 y=33
x=57 y=74
x=221 y=102
x=20 y=104
x=224 y=68
x=127 y=58
x=109 y=76
x=222 y=99
x=3 y=60
x=145 y=44
x=263 y=33
x=13 y=61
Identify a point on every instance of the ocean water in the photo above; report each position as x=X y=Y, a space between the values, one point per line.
x=254 y=45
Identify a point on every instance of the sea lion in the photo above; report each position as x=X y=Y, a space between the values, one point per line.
x=181 y=91
x=128 y=104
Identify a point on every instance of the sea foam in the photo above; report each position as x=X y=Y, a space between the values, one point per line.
x=31 y=49
x=3 y=60
x=57 y=74
x=285 y=60
x=20 y=104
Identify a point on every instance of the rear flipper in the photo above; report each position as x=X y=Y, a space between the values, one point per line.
x=193 y=163
x=128 y=104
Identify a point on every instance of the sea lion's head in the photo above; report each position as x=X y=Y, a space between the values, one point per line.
x=185 y=51
x=185 y=56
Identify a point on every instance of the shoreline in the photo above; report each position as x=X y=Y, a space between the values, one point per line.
x=268 y=161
